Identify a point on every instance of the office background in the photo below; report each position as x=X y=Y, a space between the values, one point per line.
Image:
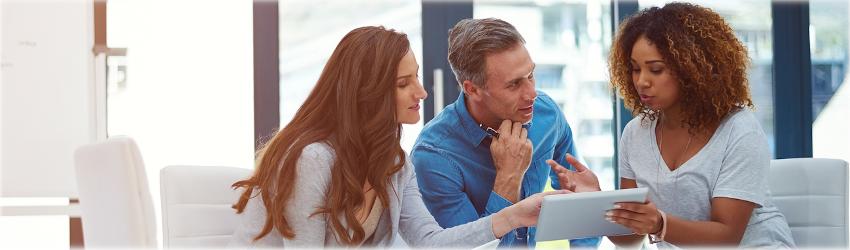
x=204 y=82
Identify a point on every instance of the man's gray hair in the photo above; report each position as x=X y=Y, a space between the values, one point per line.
x=471 y=40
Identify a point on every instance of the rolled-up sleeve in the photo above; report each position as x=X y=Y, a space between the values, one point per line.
x=495 y=203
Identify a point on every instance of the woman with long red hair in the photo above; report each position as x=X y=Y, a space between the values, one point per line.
x=336 y=174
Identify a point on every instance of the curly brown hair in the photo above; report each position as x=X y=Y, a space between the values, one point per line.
x=702 y=52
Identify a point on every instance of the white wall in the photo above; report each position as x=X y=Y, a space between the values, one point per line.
x=188 y=98
x=2 y=68
x=45 y=97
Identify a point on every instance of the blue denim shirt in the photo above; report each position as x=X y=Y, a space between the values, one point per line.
x=455 y=170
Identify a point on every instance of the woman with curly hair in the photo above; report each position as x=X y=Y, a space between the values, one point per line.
x=694 y=142
x=336 y=175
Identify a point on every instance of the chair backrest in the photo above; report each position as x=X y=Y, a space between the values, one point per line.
x=115 y=202
x=812 y=194
x=196 y=205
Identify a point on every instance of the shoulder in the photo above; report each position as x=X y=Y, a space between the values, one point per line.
x=440 y=126
x=742 y=129
x=435 y=130
x=316 y=160
x=545 y=98
x=743 y=122
x=430 y=162
x=440 y=131
x=431 y=156
x=318 y=149
x=638 y=125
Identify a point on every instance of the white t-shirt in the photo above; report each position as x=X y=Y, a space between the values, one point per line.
x=734 y=164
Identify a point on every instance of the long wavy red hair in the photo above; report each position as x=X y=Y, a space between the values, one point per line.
x=352 y=109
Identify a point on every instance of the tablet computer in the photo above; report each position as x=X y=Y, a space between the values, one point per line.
x=582 y=215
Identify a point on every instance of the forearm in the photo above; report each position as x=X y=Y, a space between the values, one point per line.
x=508 y=186
x=501 y=223
x=682 y=232
x=630 y=241
x=459 y=229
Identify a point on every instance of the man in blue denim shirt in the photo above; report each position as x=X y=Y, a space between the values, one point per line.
x=487 y=150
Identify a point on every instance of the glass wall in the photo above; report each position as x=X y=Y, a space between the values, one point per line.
x=752 y=22
x=310 y=30
x=569 y=42
x=828 y=33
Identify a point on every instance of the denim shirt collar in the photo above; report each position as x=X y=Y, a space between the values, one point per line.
x=470 y=131
x=473 y=133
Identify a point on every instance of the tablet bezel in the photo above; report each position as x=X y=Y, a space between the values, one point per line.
x=582 y=215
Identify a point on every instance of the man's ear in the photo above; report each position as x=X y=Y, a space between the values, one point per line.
x=471 y=90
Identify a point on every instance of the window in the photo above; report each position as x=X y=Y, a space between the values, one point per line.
x=310 y=30
x=828 y=34
x=184 y=91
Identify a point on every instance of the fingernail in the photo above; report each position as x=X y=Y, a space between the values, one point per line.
x=609 y=214
x=609 y=219
x=617 y=206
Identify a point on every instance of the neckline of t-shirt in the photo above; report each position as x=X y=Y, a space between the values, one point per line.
x=657 y=151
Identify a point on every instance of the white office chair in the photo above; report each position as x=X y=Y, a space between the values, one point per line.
x=812 y=194
x=196 y=205
x=115 y=202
